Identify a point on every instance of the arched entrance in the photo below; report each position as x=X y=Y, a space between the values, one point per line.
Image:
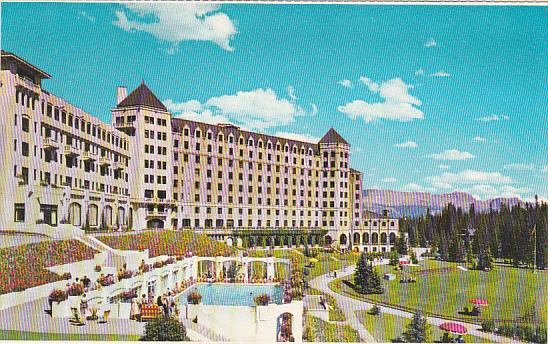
x=121 y=217
x=75 y=214
x=107 y=216
x=392 y=238
x=343 y=239
x=229 y=242
x=383 y=238
x=328 y=240
x=365 y=238
x=93 y=213
x=375 y=238
x=207 y=269
x=284 y=328
x=256 y=270
x=155 y=224
x=356 y=238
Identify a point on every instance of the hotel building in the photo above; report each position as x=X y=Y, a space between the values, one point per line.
x=149 y=169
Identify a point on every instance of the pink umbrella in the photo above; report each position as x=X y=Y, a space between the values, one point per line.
x=479 y=302
x=453 y=328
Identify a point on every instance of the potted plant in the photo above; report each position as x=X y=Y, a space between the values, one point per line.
x=124 y=274
x=194 y=298
x=157 y=264
x=76 y=289
x=59 y=308
x=66 y=276
x=262 y=299
x=98 y=268
x=170 y=260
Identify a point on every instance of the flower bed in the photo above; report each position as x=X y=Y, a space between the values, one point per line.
x=169 y=243
x=24 y=266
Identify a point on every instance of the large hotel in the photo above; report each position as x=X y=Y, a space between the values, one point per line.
x=61 y=166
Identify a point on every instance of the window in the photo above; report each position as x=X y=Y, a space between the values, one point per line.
x=25 y=124
x=19 y=212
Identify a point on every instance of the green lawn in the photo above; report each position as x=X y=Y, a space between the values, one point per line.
x=335 y=313
x=316 y=330
x=23 y=335
x=388 y=327
x=511 y=292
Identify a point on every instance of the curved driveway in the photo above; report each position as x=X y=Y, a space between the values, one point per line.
x=350 y=306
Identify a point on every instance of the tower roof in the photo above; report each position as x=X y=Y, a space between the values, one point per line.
x=333 y=136
x=142 y=95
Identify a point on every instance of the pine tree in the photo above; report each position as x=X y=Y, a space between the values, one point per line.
x=366 y=279
x=417 y=329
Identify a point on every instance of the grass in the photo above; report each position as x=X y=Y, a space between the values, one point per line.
x=512 y=293
x=335 y=312
x=24 y=335
x=316 y=330
x=388 y=327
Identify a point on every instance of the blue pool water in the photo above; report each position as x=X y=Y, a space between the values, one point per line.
x=233 y=294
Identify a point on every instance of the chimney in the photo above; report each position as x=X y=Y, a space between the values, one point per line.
x=121 y=94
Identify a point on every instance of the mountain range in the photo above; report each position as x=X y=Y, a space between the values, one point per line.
x=402 y=203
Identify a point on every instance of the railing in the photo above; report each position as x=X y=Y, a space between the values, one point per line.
x=118 y=165
x=70 y=150
x=50 y=142
x=156 y=213
x=89 y=156
x=153 y=201
x=27 y=83
x=104 y=161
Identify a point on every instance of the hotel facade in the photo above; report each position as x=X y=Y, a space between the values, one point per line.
x=149 y=169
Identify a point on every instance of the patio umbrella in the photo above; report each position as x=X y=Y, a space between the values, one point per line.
x=454 y=328
x=313 y=260
x=479 y=302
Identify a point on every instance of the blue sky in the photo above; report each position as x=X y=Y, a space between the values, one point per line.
x=431 y=98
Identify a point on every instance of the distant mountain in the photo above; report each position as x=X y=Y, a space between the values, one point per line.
x=401 y=203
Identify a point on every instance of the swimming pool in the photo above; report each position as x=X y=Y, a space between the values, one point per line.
x=233 y=294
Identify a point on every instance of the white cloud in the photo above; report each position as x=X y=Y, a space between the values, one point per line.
x=85 y=15
x=483 y=191
x=407 y=144
x=297 y=137
x=314 y=111
x=389 y=180
x=440 y=74
x=189 y=106
x=291 y=92
x=413 y=187
x=443 y=166
x=345 y=83
x=398 y=104
x=373 y=86
x=492 y=118
x=451 y=154
x=419 y=71
x=205 y=116
x=175 y=23
x=448 y=180
x=479 y=139
x=430 y=43
x=257 y=109
x=519 y=167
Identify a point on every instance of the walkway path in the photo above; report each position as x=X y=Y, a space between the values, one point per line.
x=350 y=306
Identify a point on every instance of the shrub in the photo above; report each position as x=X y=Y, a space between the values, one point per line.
x=66 y=276
x=262 y=299
x=375 y=310
x=58 y=295
x=179 y=257
x=488 y=325
x=105 y=280
x=158 y=264
x=165 y=329
x=129 y=294
x=530 y=333
x=194 y=298
x=125 y=274
x=97 y=268
x=75 y=290
x=170 y=260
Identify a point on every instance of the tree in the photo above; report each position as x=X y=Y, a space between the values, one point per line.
x=367 y=280
x=165 y=329
x=417 y=329
x=401 y=244
x=413 y=257
x=394 y=259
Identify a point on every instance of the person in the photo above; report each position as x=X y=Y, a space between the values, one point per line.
x=171 y=302
x=83 y=305
x=135 y=312
x=86 y=281
x=144 y=300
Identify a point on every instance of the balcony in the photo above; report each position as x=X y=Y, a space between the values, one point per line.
x=156 y=213
x=118 y=165
x=104 y=161
x=122 y=125
x=89 y=156
x=71 y=151
x=21 y=81
x=50 y=143
x=167 y=202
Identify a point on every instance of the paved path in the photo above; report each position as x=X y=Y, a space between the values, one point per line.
x=350 y=306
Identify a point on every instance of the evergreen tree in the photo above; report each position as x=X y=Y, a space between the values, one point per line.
x=366 y=279
x=417 y=329
x=394 y=259
x=401 y=244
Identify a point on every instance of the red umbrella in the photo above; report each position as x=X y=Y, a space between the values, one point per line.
x=454 y=327
x=479 y=302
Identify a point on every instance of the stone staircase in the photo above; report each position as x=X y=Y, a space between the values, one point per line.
x=204 y=331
